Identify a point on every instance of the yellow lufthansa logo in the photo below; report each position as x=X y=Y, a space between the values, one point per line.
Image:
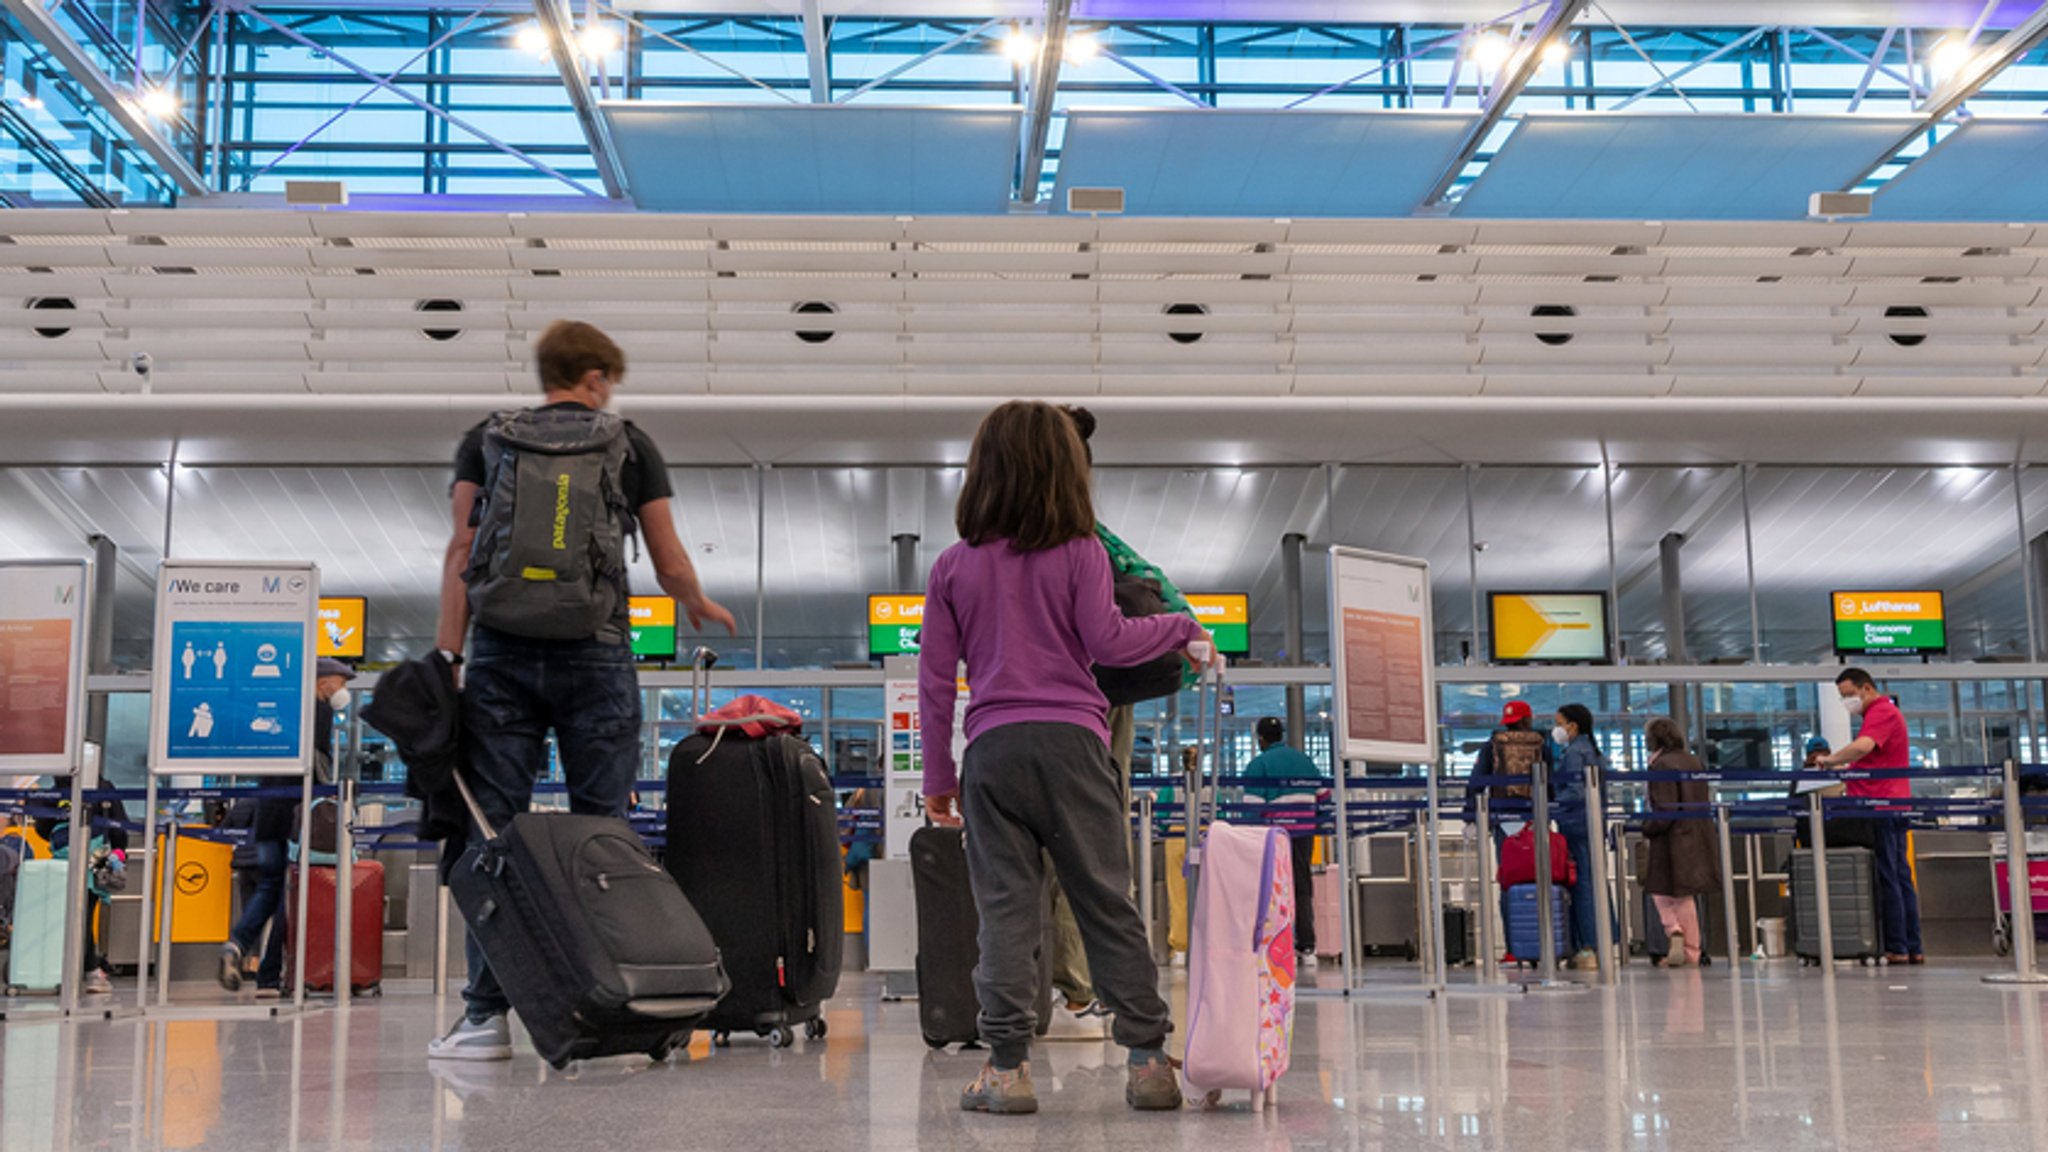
x=562 y=512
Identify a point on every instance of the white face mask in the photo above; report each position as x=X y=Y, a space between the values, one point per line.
x=1561 y=734
x=339 y=701
x=1854 y=704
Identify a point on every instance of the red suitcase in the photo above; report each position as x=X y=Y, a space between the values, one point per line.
x=366 y=969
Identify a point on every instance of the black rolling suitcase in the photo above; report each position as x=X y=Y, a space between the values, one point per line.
x=948 y=947
x=753 y=838
x=1852 y=900
x=597 y=949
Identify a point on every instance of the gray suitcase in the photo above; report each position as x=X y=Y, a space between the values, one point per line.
x=1852 y=900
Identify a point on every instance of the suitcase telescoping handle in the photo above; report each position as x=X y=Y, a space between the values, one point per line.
x=701 y=660
x=475 y=813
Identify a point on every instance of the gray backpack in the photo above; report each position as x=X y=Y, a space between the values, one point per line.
x=549 y=561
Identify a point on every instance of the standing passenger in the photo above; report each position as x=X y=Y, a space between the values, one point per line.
x=1574 y=734
x=1684 y=863
x=1882 y=743
x=548 y=596
x=1025 y=599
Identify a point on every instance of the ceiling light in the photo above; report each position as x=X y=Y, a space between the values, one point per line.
x=32 y=103
x=1082 y=48
x=1949 y=57
x=533 y=39
x=1491 y=50
x=1556 y=52
x=158 y=103
x=599 y=40
x=1020 y=46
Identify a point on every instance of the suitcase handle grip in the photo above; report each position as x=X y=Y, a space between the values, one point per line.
x=475 y=813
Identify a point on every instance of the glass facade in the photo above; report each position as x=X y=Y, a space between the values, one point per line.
x=457 y=100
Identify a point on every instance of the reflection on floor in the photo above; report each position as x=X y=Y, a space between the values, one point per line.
x=1871 y=1059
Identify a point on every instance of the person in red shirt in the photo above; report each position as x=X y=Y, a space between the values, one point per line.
x=1882 y=743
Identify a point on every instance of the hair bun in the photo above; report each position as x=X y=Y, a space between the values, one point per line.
x=1084 y=420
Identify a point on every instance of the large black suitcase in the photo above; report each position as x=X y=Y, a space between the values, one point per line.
x=753 y=838
x=597 y=949
x=948 y=946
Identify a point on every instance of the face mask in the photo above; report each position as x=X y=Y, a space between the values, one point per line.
x=1854 y=704
x=339 y=700
x=1561 y=734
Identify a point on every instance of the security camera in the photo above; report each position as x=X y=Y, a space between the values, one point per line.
x=143 y=363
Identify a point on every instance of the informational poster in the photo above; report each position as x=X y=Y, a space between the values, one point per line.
x=343 y=621
x=1549 y=627
x=653 y=627
x=902 y=757
x=1383 y=657
x=895 y=625
x=1905 y=623
x=1228 y=618
x=232 y=684
x=42 y=663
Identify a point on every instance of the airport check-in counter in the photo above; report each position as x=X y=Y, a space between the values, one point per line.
x=1952 y=865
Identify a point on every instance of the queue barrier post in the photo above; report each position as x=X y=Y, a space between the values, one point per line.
x=1823 y=906
x=2018 y=889
x=1727 y=846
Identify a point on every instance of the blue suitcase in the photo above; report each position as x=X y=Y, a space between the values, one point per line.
x=1525 y=933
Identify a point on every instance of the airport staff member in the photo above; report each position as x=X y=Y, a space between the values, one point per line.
x=1882 y=743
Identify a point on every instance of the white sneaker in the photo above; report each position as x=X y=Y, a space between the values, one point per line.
x=1674 y=957
x=490 y=1040
x=1305 y=962
x=1069 y=1023
x=97 y=984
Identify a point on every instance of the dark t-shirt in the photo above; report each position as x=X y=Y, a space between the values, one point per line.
x=644 y=478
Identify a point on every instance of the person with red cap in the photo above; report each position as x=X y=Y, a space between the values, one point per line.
x=1514 y=749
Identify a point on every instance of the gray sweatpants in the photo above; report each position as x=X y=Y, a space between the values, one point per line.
x=1051 y=787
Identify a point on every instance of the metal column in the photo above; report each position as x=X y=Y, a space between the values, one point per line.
x=1669 y=551
x=908 y=578
x=1290 y=584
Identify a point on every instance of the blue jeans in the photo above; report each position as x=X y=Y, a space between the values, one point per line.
x=265 y=906
x=515 y=690
x=1898 y=903
x=1585 y=920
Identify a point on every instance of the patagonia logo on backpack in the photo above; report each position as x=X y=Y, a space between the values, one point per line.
x=549 y=561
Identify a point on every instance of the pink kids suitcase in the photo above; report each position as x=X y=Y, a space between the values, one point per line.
x=1241 y=965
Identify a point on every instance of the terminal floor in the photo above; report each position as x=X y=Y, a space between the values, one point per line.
x=1871 y=1059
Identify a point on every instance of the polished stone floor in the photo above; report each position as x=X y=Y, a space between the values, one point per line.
x=1870 y=1059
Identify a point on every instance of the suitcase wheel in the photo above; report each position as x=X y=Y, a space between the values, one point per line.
x=780 y=1037
x=721 y=1039
x=661 y=1052
x=814 y=1028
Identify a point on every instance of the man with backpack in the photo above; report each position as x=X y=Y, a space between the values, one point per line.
x=1514 y=749
x=543 y=503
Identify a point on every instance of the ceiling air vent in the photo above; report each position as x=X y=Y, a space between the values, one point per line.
x=815 y=308
x=1554 y=339
x=1906 y=312
x=1186 y=310
x=53 y=304
x=441 y=334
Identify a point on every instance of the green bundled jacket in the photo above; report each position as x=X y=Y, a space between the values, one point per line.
x=1125 y=561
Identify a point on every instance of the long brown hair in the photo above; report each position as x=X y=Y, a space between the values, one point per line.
x=1027 y=480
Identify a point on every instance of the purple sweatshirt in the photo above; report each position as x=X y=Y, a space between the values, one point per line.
x=1031 y=625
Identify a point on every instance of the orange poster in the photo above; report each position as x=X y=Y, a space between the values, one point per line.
x=1384 y=677
x=35 y=686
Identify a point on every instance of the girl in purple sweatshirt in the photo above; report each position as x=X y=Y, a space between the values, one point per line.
x=1024 y=599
